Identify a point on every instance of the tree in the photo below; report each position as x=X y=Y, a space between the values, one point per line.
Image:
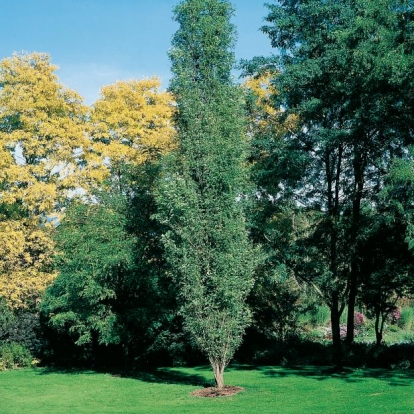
x=202 y=189
x=132 y=122
x=26 y=265
x=95 y=254
x=42 y=157
x=111 y=286
x=387 y=248
x=337 y=76
x=274 y=297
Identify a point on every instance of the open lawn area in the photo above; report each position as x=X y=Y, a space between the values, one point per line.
x=167 y=390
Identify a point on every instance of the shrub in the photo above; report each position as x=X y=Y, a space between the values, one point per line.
x=315 y=316
x=393 y=328
x=395 y=316
x=343 y=331
x=322 y=316
x=407 y=318
x=21 y=327
x=358 y=319
x=14 y=355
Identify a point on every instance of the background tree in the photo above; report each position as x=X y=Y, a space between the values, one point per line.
x=111 y=287
x=387 y=248
x=336 y=74
x=42 y=150
x=132 y=122
x=201 y=191
x=274 y=297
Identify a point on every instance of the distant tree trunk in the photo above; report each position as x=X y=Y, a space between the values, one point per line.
x=350 y=325
x=358 y=166
x=379 y=326
x=336 y=332
x=334 y=210
x=125 y=356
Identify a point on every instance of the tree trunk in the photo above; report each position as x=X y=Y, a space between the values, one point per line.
x=350 y=324
x=379 y=327
x=125 y=356
x=336 y=332
x=358 y=165
x=218 y=374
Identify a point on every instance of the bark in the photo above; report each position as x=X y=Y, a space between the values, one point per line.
x=350 y=324
x=354 y=270
x=336 y=332
x=379 y=327
x=218 y=369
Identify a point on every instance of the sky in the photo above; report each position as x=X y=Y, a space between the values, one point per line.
x=97 y=42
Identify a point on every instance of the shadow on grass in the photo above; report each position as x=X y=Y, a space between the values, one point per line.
x=158 y=375
x=394 y=378
x=178 y=377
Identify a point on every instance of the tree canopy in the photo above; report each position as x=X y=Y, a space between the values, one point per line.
x=183 y=221
x=201 y=191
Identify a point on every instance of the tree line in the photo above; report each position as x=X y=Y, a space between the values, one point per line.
x=154 y=221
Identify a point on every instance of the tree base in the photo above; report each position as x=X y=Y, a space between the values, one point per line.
x=211 y=392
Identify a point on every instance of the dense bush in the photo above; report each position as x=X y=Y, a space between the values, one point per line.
x=14 y=355
x=20 y=337
x=406 y=320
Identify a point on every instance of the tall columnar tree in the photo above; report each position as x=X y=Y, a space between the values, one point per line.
x=346 y=69
x=203 y=187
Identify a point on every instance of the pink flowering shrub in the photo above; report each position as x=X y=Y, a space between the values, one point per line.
x=358 y=321
x=395 y=316
x=343 y=331
x=358 y=318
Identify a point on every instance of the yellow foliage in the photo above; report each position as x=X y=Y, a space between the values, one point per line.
x=265 y=118
x=25 y=261
x=42 y=134
x=132 y=122
x=52 y=145
x=43 y=141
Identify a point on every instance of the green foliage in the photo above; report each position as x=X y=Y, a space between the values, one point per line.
x=19 y=333
x=201 y=191
x=320 y=316
x=275 y=307
x=14 y=355
x=407 y=318
x=7 y=319
x=95 y=256
x=111 y=289
x=344 y=69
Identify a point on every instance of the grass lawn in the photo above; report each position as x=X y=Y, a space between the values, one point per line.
x=273 y=390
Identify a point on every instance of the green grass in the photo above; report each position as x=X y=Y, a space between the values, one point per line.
x=267 y=390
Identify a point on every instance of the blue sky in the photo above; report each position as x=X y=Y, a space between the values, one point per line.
x=96 y=42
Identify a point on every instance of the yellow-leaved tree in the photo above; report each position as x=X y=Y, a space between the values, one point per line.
x=132 y=122
x=43 y=142
x=264 y=118
x=51 y=147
